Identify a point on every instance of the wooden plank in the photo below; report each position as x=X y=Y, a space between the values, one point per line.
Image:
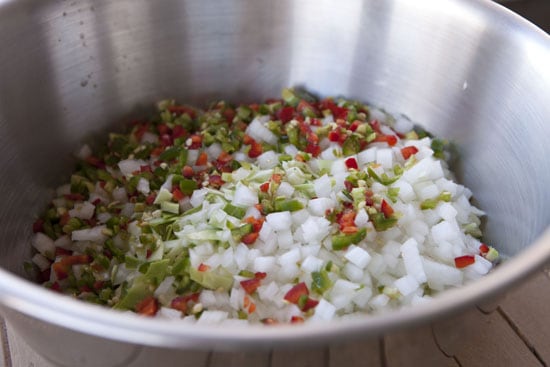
x=151 y=356
x=476 y=339
x=527 y=308
x=4 y=348
x=415 y=347
x=361 y=353
x=299 y=357
x=244 y=359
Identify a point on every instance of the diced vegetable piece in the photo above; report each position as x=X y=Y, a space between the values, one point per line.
x=464 y=261
x=340 y=242
x=212 y=280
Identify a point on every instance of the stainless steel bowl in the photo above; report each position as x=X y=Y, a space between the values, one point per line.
x=467 y=70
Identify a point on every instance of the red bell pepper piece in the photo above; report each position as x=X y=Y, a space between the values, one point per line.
x=464 y=261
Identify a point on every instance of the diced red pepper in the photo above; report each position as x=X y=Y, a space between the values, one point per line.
x=61 y=270
x=391 y=140
x=196 y=141
x=256 y=149
x=166 y=140
x=203 y=267
x=408 y=151
x=483 y=249
x=247 y=139
x=145 y=168
x=60 y=251
x=351 y=163
x=256 y=223
x=187 y=172
x=264 y=187
x=464 y=261
x=375 y=126
x=150 y=199
x=296 y=320
x=163 y=129
x=304 y=105
x=315 y=122
x=74 y=197
x=250 y=285
x=250 y=238
x=340 y=112
x=215 y=181
x=148 y=306
x=259 y=207
x=85 y=289
x=95 y=161
x=180 y=110
x=310 y=303
x=141 y=130
x=225 y=157
x=312 y=138
x=229 y=114
x=354 y=125
x=64 y=218
x=182 y=302
x=285 y=114
x=334 y=135
x=157 y=152
x=276 y=177
x=177 y=195
x=56 y=287
x=313 y=149
x=178 y=131
x=38 y=225
x=386 y=209
x=202 y=159
x=346 y=219
x=294 y=294
x=349 y=229
x=348 y=185
x=248 y=305
x=337 y=112
x=260 y=275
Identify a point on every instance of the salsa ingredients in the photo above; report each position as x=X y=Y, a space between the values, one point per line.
x=292 y=210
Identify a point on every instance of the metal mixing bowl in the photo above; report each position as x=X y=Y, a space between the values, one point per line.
x=467 y=70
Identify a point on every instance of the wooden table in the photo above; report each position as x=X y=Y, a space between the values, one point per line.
x=513 y=332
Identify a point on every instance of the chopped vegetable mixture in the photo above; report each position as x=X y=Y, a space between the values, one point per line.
x=287 y=211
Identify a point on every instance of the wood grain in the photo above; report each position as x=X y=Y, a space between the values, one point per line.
x=528 y=310
x=150 y=356
x=414 y=348
x=363 y=353
x=315 y=357
x=228 y=359
x=477 y=339
x=4 y=348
